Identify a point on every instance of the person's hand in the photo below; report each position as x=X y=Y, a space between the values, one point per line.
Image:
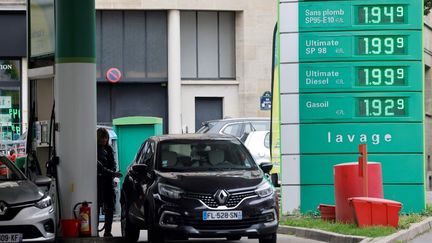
x=118 y=174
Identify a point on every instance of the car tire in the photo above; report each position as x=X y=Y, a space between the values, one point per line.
x=233 y=238
x=268 y=238
x=154 y=234
x=129 y=231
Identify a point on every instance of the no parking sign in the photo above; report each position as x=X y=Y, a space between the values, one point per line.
x=113 y=75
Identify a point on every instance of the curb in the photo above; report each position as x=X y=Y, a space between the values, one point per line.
x=320 y=235
x=406 y=235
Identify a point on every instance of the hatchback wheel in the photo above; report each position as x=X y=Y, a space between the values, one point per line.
x=129 y=231
x=268 y=238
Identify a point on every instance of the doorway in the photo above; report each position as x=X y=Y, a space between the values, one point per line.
x=207 y=108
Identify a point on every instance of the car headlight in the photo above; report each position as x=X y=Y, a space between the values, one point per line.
x=265 y=189
x=44 y=202
x=170 y=191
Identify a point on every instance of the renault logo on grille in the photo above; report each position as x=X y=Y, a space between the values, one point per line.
x=3 y=208
x=221 y=196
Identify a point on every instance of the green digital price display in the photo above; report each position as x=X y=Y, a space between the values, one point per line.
x=359 y=15
x=382 y=76
x=360 y=46
x=382 y=14
x=361 y=107
x=382 y=107
x=360 y=76
x=382 y=45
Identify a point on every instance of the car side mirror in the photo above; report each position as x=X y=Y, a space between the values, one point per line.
x=266 y=167
x=140 y=168
x=42 y=181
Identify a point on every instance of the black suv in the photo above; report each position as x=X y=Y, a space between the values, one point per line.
x=197 y=186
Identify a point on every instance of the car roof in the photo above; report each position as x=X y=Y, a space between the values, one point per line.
x=194 y=136
x=244 y=119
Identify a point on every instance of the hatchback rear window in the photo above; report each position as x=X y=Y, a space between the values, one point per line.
x=261 y=125
x=206 y=127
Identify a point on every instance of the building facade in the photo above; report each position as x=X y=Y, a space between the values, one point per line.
x=185 y=61
x=12 y=67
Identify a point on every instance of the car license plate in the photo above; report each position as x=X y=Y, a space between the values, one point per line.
x=11 y=237
x=222 y=215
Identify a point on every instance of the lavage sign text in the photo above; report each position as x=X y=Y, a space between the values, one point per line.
x=375 y=138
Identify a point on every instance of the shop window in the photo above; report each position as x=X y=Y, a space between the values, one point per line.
x=10 y=109
x=10 y=71
x=10 y=113
x=208 y=45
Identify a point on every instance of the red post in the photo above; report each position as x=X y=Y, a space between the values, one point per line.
x=363 y=168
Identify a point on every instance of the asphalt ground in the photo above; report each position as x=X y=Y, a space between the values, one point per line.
x=116 y=231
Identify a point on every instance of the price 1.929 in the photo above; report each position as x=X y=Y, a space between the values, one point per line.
x=382 y=107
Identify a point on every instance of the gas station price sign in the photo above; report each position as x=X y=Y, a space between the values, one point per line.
x=360 y=46
x=360 y=15
x=360 y=73
x=361 y=107
x=360 y=76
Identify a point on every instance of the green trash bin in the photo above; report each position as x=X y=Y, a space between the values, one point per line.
x=131 y=133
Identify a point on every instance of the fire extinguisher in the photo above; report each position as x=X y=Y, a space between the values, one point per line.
x=84 y=218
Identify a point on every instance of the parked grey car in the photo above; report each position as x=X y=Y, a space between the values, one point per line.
x=237 y=127
x=26 y=211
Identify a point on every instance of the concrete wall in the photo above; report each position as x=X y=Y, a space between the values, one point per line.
x=255 y=20
x=228 y=91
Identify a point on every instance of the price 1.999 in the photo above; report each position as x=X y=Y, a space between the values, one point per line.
x=381 y=76
x=382 y=107
x=381 y=45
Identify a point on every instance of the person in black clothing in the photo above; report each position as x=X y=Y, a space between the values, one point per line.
x=106 y=169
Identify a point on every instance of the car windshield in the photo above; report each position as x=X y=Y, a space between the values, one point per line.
x=8 y=171
x=203 y=155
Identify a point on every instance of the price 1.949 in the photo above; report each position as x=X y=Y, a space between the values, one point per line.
x=381 y=14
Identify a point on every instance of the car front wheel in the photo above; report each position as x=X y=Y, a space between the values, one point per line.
x=129 y=231
x=268 y=238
